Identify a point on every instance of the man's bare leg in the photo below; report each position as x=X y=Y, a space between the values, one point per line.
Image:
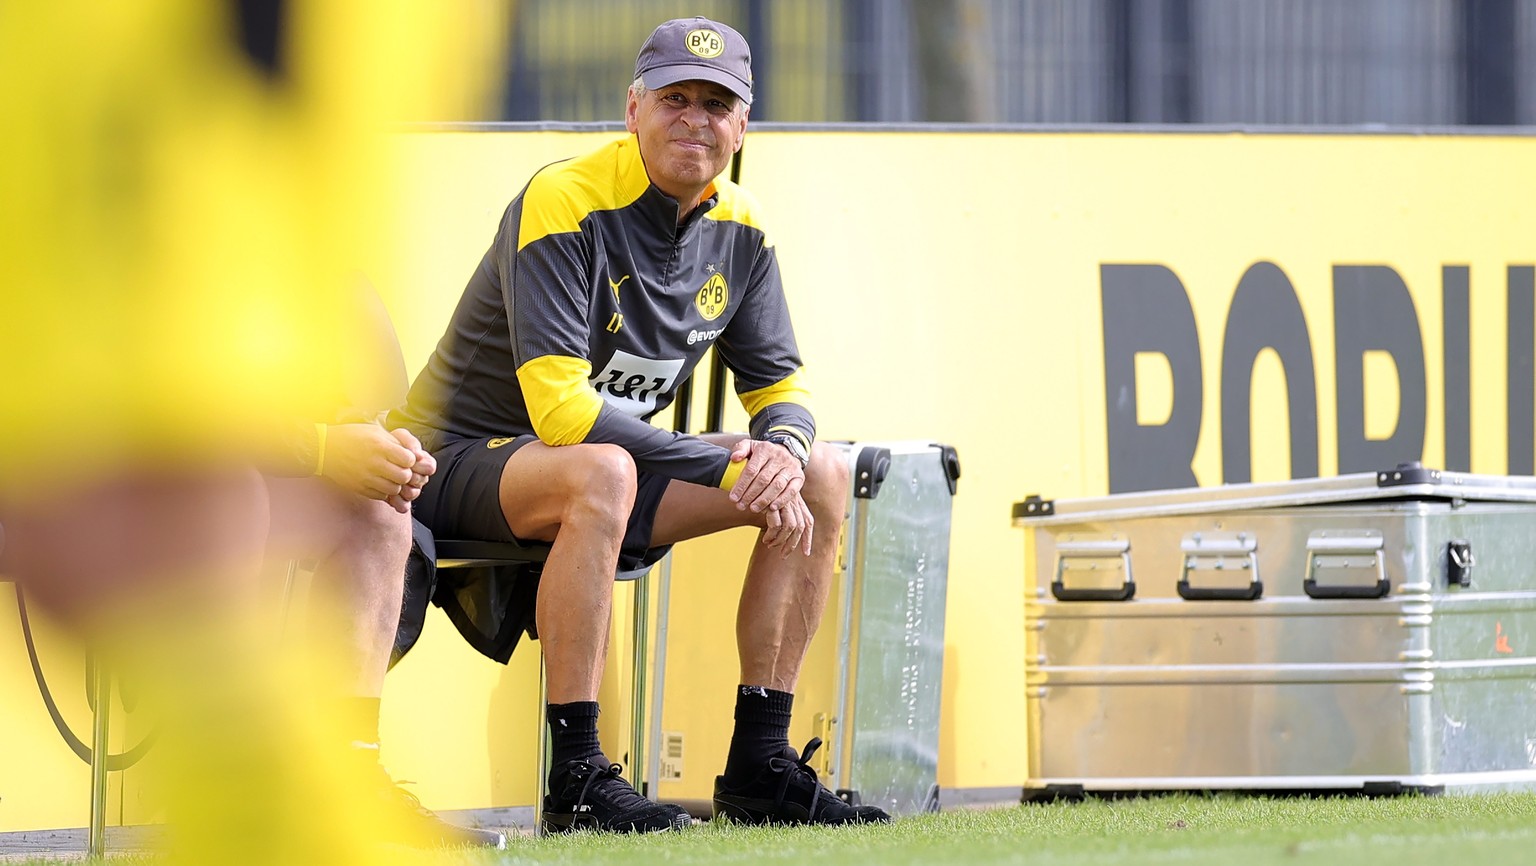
x=578 y=497
x=784 y=595
x=360 y=548
x=781 y=606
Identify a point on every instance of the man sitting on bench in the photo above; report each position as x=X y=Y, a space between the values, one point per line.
x=610 y=277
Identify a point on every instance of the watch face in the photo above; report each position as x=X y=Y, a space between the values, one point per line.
x=794 y=447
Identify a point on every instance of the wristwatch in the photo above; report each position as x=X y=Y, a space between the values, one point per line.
x=795 y=446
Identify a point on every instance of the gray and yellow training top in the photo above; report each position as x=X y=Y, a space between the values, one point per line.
x=593 y=304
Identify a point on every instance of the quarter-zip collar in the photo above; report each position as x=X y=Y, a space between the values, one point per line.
x=653 y=205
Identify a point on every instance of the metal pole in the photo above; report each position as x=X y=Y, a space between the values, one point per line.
x=658 y=683
x=101 y=692
x=637 y=738
x=542 y=763
x=838 y=757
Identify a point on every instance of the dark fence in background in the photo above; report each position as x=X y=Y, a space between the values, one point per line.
x=1310 y=62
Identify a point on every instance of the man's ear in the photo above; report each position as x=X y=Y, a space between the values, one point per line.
x=631 y=112
x=741 y=129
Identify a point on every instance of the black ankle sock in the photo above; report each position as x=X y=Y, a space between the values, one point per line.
x=573 y=735
x=357 y=720
x=762 y=732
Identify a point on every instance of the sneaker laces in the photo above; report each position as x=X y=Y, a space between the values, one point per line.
x=397 y=789
x=598 y=779
x=788 y=770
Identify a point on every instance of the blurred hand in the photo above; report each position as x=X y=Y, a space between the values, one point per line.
x=423 y=469
x=367 y=460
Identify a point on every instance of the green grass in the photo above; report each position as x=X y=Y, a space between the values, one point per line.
x=1497 y=830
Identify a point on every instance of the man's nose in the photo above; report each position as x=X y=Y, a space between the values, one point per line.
x=695 y=115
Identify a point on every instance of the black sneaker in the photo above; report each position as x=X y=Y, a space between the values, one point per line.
x=787 y=792
x=585 y=797
x=409 y=823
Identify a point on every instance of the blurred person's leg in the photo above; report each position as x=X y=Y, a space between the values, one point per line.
x=146 y=542
x=358 y=549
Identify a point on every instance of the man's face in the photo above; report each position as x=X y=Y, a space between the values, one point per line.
x=688 y=132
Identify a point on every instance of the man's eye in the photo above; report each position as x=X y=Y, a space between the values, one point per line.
x=675 y=98
x=715 y=106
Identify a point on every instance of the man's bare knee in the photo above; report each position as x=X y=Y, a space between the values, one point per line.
x=826 y=483
x=371 y=526
x=599 y=482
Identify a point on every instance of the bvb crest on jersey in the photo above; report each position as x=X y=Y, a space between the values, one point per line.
x=713 y=297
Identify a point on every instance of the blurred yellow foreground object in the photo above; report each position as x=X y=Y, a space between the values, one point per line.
x=182 y=220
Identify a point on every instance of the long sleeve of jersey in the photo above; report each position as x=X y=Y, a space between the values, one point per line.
x=759 y=348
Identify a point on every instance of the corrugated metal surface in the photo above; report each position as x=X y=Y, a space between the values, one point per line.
x=1312 y=62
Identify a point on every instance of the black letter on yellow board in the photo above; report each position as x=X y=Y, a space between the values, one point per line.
x=1522 y=378
x=1265 y=314
x=1456 y=338
x=1372 y=311
x=1146 y=310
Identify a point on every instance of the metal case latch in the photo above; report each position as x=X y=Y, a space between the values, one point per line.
x=1093 y=568
x=1220 y=566
x=1458 y=562
x=1346 y=563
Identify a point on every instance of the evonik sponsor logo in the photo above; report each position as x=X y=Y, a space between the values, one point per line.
x=703 y=336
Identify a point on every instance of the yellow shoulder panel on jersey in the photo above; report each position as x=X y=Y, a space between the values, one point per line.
x=560 y=196
x=561 y=404
x=739 y=206
x=790 y=389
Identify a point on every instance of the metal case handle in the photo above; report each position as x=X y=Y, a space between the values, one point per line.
x=1342 y=550
x=1211 y=551
x=1080 y=554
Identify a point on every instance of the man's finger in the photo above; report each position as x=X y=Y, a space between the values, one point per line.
x=762 y=491
x=772 y=492
x=787 y=495
x=757 y=464
x=378 y=488
x=392 y=474
x=746 y=486
x=399 y=455
x=406 y=438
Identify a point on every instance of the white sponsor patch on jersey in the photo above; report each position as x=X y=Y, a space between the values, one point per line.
x=631 y=384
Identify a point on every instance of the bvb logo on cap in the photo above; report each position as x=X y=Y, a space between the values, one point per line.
x=705 y=43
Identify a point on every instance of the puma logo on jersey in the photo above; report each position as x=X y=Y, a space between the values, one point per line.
x=615 y=286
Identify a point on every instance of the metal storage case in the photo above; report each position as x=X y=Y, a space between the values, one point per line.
x=871 y=685
x=891 y=624
x=1370 y=632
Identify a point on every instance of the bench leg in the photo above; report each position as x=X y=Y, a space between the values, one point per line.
x=541 y=764
x=637 y=698
x=101 y=691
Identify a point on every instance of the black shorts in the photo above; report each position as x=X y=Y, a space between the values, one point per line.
x=463 y=499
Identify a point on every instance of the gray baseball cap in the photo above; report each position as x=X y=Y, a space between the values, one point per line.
x=685 y=49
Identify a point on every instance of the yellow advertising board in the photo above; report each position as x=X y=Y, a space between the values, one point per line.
x=1076 y=313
